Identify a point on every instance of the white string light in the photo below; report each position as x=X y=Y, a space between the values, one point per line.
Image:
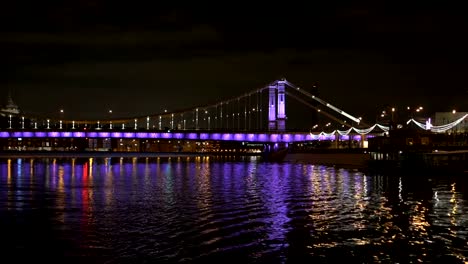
x=437 y=129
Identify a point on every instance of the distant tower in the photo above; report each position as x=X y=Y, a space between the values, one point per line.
x=10 y=107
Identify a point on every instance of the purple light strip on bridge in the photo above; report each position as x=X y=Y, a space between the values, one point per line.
x=262 y=137
x=204 y=136
x=79 y=134
x=116 y=134
x=40 y=134
x=53 y=134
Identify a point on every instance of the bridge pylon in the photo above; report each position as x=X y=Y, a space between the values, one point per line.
x=277 y=106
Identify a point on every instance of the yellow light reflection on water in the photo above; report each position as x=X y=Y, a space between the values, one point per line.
x=9 y=172
x=31 y=169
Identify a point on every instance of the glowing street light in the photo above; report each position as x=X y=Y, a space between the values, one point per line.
x=110 y=122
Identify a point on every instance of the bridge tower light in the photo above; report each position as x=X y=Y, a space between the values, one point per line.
x=172 y=121
x=196 y=118
x=272 y=108
x=281 y=118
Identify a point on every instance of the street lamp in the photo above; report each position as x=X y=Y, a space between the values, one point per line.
x=61 y=117
x=110 y=121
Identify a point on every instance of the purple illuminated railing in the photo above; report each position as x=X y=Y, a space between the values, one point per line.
x=252 y=137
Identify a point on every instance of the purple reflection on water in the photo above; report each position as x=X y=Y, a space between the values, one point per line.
x=116 y=134
x=17 y=134
x=192 y=136
x=78 y=134
x=129 y=135
x=204 y=136
x=66 y=134
x=4 y=134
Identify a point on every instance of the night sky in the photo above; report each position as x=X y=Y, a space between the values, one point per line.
x=139 y=58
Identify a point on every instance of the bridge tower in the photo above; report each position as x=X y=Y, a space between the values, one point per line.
x=281 y=117
x=272 y=107
x=277 y=106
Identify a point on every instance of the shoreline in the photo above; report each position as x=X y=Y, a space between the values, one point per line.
x=97 y=154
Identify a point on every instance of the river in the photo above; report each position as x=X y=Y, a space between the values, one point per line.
x=244 y=210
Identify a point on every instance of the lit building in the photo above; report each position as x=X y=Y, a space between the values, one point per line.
x=10 y=108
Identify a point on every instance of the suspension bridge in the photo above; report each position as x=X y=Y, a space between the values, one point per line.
x=258 y=116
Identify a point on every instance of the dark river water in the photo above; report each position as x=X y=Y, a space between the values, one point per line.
x=197 y=210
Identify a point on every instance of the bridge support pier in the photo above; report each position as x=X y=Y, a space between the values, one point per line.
x=337 y=140
x=363 y=139
x=275 y=151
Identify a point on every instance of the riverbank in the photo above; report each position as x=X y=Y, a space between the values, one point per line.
x=98 y=154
